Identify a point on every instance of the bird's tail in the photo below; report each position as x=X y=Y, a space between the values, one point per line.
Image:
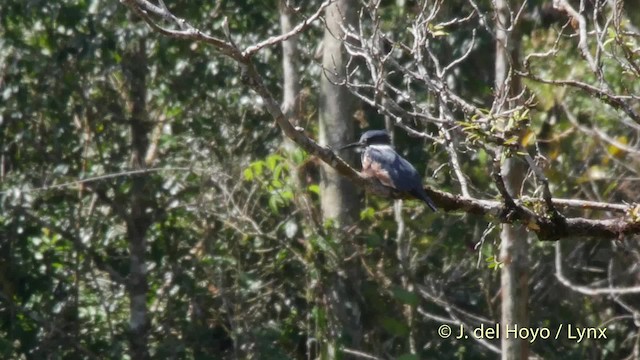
x=422 y=195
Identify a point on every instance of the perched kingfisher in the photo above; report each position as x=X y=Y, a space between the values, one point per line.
x=381 y=161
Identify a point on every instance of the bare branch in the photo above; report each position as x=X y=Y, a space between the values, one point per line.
x=274 y=40
x=586 y=289
x=463 y=57
x=359 y=354
x=563 y=5
x=98 y=178
x=455 y=161
x=582 y=204
x=546 y=192
x=615 y=101
x=188 y=32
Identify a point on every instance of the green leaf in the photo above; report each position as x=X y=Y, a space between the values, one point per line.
x=248 y=174
x=273 y=160
x=405 y=296
x=493 y=263
x=281 y=256
x=298 y=156
x=437 y=30
x=511 y=141
x=274 y=203
x=314 y=188
x=482 y=156
x=287 y=195
x=367 y=214
x=277 y=171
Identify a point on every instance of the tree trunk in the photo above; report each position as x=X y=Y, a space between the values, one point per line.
x=291 y=79
x=339 y=197
x=514 y=246
x=138 y=219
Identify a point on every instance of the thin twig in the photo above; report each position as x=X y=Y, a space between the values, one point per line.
x=586 y=290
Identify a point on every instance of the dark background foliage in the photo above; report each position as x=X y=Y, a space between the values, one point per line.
x=110 y=132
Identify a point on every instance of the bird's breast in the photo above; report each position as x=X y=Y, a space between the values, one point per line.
x=374 y=168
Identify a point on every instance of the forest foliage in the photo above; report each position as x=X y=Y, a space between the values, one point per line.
x=152 y=207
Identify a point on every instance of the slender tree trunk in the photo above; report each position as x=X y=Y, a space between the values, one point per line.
x=291 y=97
x=514 y=246
x=291 y=79
x=139 y=219
x=339 y=198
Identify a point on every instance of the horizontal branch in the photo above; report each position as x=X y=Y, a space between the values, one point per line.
x=546 y=227
x=583 y=204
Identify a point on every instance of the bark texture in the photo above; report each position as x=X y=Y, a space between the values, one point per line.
x=339 y=198
x=137 y=218
x=514 y=245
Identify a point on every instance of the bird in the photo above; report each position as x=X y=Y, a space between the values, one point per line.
x=382 y=162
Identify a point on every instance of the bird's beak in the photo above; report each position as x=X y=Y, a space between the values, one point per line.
x=352 y=145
